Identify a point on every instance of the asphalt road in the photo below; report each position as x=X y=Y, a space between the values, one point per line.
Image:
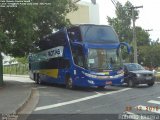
x=58 y=103
x=92 y=103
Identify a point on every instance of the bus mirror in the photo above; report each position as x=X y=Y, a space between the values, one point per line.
x=122 y=45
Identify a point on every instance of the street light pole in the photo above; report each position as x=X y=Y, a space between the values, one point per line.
x=134 y=34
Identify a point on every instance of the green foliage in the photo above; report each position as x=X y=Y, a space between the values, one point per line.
x=122 y=24
x=22 y=60
x=142 y=37
x=149 y=55
x=23 y=26
x=4 y=41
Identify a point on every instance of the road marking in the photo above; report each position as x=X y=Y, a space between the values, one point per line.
x=154 y=102
x=79 y=100
x=158 y=97
x=99 y=93
x=146 y=108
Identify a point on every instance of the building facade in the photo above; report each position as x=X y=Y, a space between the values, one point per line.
x=87 y=13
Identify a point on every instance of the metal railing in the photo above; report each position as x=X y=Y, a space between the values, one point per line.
x=16 y=69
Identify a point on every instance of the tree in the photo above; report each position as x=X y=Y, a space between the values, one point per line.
x=23 y=26
x=122 y=22
x=122 y=25
x=149 y=55
x=142 y=37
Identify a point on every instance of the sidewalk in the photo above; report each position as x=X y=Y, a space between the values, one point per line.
x=27 y=76
x=14 y=94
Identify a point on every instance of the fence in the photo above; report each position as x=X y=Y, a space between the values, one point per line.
x=17 y=69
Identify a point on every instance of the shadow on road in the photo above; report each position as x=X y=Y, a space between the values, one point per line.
x=83 y=89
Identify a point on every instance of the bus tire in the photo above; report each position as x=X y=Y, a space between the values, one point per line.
x=69 y=83
x=37 y=78
x=101 y=87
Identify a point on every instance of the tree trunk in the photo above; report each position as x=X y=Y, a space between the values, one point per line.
x=1 y=70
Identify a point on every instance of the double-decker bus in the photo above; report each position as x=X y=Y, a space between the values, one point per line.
x=82 y=55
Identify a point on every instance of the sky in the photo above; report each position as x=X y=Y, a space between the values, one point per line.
x=149 y=17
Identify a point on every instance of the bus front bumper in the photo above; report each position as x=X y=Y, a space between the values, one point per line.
x=90 y=82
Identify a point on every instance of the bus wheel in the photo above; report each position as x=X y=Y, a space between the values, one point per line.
x=69 y=83
x=35 y=78
x=101 y=87
x=39 y=80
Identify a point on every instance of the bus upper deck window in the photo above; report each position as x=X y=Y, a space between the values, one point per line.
x=74 y=35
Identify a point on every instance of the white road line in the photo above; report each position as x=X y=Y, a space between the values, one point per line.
x=147 y=109
x=78 y=100
x=99 y=93
x=158 y=97
x=154 y=102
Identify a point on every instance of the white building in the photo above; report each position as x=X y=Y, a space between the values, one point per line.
x=87 y=13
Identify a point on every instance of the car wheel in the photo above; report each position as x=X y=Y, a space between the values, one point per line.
x=131 y=83
x=150 y=84
x=69 y=83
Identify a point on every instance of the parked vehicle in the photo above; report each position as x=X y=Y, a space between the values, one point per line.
x=136 y=74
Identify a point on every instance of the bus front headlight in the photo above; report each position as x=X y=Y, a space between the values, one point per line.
x=90 y=75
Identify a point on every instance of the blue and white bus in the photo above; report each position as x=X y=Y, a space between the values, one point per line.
x=82 y=55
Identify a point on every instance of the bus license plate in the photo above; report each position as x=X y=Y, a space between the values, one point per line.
x=109 y=83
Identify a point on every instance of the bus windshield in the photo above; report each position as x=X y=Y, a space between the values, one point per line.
x=103 y=59
x=98 y=34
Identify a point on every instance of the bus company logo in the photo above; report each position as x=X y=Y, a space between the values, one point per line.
x=54 y=52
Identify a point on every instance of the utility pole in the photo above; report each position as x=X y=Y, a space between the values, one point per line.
x=134 y=34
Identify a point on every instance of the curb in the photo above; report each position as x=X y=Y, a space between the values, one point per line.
x=21 y=107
